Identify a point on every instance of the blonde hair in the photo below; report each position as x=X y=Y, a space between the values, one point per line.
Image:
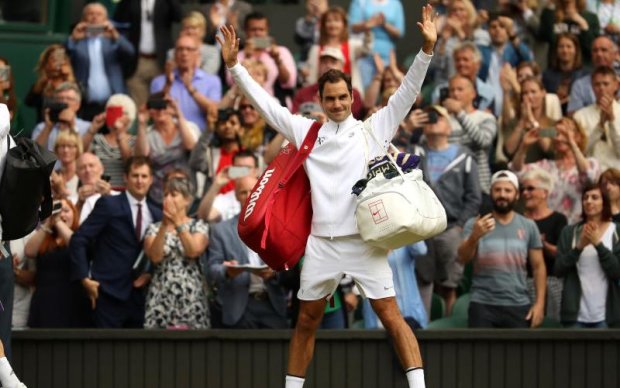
x=69 y=137
x=472 y=19
x=195 y=18
x=545 y=180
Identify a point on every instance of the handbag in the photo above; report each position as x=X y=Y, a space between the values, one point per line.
x=25 y=187
x=396 y=211
x=276 y=218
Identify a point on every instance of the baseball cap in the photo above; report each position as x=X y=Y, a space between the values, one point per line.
x=505 y=176
x=333 y=52
x=441 y=110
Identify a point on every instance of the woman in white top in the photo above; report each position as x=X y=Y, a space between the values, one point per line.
x=589 y=261
x=68 y=149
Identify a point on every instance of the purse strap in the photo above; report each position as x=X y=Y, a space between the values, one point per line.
x=368 y=127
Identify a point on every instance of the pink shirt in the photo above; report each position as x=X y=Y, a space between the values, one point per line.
x=272 y=68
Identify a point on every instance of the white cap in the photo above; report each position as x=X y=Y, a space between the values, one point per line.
x=333 y=52
x=505 y=176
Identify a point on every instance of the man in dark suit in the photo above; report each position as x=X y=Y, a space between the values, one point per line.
x=97 y=52
x=150 y=32
x=112 y=235
x=249 y=300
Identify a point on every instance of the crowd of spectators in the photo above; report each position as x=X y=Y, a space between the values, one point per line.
x=158 y=149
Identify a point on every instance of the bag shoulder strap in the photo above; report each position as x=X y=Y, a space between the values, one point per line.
x=302 y=154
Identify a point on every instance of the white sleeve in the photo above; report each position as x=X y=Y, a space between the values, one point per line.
x=292 y=127
x=386 y=120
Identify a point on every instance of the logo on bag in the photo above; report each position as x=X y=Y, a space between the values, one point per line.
x=377 y=211
x=256 y=194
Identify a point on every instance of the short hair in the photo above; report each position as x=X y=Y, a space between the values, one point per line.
x=137 y=161
x=532 y=65
x=458 y=76
x=471 y=46
x=606 y=213
x=195 y=18
x=180 y=185
x=610 y=175
x=70 y=137
x=246 y=154
x=123 y=100
x=175 y=171
x=604 y=70
x=578 y=61
x=64 y=86
x=546 y=180
x=256 y=15
x=333 y=76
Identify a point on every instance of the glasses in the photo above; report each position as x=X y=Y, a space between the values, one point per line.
x=66 y=146
x=246 y=106
x=529 y=188
x=190 y=49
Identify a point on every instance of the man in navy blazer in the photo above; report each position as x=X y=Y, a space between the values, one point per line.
x=249 y=300
x=98 y=54
x=111 y=237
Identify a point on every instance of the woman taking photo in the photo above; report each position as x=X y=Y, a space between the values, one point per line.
x=589 y=261
x=57 y=301
x=176 y=297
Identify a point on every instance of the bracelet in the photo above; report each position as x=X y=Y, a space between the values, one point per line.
x=182 y=228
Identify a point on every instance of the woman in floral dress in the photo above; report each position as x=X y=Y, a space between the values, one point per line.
x=176 y=297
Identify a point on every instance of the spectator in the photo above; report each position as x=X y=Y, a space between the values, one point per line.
x=524 y=14
x=334 y=33
x=281 y=68
x=167 y=142
x=402 y=261
x=471 y=127
x=500 y=244
x=569 y=16
x=176 y=297
x=226 y=12
x=531 y=115
x=385 y=21
x=7 y=87
x=150 y=33
x=250 y=299
x=216 y=206
x=195 y=25
x=505 y=48
x=57 y=301
x=306 y=99
x=68 y=149
x=386 y=78
x=98 y=52
x=45 y=132
x=195 y=91
x=570 y=169
x=604 y=53
x=589 y=261
x=610 y=186
x=112 y=234
x=536 y=185
x=452 y=173
x=601 y=120
x=258 y=71
x=92 y=185
x=565 y=67
x=53 y=69
x=114 y=146
x=467 y=60
x=459 y=26
x=608 y=13
x=256 y=133
x=212 y=154
x=307 y=29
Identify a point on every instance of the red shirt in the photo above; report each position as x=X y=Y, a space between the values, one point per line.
x=226 y=159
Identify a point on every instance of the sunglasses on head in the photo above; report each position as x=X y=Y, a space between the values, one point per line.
x=529 y=188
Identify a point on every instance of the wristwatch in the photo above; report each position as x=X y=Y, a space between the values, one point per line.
x=182 y=228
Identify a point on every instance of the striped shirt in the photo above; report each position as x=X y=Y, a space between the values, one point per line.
x=110 y=156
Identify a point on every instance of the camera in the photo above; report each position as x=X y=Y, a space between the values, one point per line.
x=261 y=42
x=54 y=110
x=106 y=177
x=157 y=103
x=443 y=94
x=95 y=29
x=433 y=116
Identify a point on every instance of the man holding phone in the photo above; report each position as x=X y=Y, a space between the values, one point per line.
x=93 y=184
x=98 y=53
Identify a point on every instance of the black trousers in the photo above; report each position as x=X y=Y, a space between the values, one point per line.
x=7 y=288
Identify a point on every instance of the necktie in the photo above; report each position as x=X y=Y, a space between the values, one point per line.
x=139 y=222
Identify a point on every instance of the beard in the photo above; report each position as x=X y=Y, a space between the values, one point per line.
x=503 y=206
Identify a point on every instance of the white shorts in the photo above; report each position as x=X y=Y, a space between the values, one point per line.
x=328 y=260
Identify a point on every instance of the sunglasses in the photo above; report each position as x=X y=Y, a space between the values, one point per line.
x=246 y=106
x=529 y=188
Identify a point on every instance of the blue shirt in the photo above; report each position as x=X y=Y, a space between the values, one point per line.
x=437 y=161
x=206 y=84
x=81 y=126
x=394 y=15
x=98 y=85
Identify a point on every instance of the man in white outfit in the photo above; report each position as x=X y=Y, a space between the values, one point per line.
x=337 y=161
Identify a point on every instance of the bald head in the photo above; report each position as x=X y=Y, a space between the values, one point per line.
x=604 y=51
x=89 y=168
x=243 y=187
x=95 y=13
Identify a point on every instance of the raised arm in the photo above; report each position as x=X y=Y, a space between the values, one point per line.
x=278 y=117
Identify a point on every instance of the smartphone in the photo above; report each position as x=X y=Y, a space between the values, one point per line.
x=262 y=42
x=157 y=103
x=5 y=73
x=56 y=207
x=113 y=113
x=433 y=116
x=547 y=132
x=55 y=109
x=443 y=94
x=235 y=172
x=106 y=178
x=95 y=29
